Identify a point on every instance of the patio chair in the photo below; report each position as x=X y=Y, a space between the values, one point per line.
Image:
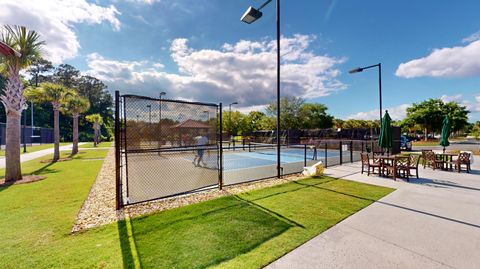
x=369 y=165
x=400 y=167
x=424 y=151
x=462 y=159
x=414 y=162
x=431 y=160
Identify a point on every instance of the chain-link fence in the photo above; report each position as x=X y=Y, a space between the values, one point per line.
x=167 y=147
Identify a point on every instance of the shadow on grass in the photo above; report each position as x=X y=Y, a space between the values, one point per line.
x=45 y=169
x=197 y=237
x=399 y=207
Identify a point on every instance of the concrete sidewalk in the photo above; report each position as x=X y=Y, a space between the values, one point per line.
x=432 y=222
x=37 y=154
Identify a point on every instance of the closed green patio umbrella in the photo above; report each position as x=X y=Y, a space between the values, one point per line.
x=445 y=133
x=386 y=139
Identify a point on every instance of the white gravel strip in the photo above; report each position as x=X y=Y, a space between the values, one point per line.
x=99 y=207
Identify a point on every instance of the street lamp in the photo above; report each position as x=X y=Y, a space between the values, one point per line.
x=160 y=119
x=208 y=115
x=379 y=65
x=149 y=114
x=230 y=119
x=250 y=16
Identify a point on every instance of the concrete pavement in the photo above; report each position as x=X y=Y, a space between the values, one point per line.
x=432 y=222
x=37 y=154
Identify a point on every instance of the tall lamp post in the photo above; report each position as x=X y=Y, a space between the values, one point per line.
x=230 y=119
x=379 y=65
x=160 y=119
x=250 y=16
x=149 y=114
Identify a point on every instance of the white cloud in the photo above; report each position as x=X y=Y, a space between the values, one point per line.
x=244 y=72
x=472 y=37
x=55 y=21
x=461 y=61
x=396 y=113
x=476 y=106
x=451 y=98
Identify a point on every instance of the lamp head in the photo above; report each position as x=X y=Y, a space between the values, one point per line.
x=356 y=70
x=251 y=15
x=162 y=93
x=235 y=103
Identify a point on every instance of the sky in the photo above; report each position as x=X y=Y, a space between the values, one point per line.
x=200 y=50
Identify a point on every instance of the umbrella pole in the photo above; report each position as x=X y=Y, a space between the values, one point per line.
x=443 y=149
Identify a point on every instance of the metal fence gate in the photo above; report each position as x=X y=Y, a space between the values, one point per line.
x=165 y=147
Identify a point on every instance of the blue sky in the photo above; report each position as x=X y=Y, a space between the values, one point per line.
x=199 y=49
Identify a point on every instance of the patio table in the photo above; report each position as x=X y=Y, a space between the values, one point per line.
x=384 y=161
x=446 y=158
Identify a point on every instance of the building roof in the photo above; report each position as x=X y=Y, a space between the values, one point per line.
x=192 y=124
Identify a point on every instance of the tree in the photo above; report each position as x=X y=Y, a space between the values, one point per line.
x=28 y=44
x=75 y=107
x=289 y=112
x=458 y=115
x=38 y=67
x=66 y=75
x=430 y=114
x=101 y=102
x=97 y=121
x=257 y=121
x=314 y=116
x=233 y=122
x=58 y=95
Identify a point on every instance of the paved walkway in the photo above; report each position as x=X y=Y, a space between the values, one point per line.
x=37 y=154
x=432 y=222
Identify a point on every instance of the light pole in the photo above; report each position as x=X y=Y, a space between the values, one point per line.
x=160 y=119
x=230 y=118
x=249 y=17
x=208 y=115
x=379 y=65
x=149 y=114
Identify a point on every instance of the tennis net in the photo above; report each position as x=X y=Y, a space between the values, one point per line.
x=301 y=150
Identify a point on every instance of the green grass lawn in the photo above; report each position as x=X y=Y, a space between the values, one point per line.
x=105 y=144
x=249 y=230
x=35 y=148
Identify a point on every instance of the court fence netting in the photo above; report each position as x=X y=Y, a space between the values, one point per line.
x=165 y=148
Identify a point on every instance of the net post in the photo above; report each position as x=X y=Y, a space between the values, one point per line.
x=341 y=153
x=326 y=155
x=220 y=134
x=305 y=155
x=351 y=151
x=117 y=151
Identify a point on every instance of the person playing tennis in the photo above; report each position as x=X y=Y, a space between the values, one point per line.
x=201 y=142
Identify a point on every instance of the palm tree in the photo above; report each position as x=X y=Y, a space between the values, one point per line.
x=97 y=121
x=74 y=107
x=58 y=95
x=28 y=44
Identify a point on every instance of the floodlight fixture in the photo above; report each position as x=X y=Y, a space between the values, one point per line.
x=251 y=15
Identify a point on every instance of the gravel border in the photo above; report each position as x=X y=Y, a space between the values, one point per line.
x=99 y=207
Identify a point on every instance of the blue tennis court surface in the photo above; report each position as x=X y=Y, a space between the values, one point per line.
x=235 y=160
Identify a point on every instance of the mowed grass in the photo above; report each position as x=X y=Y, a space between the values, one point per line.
x=249 y=230
x=35 y=148
x=37 y=218
x=105 y=144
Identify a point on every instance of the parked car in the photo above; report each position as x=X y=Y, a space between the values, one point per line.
x=405 y=143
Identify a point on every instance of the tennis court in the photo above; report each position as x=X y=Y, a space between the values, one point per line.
x=258 y=161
